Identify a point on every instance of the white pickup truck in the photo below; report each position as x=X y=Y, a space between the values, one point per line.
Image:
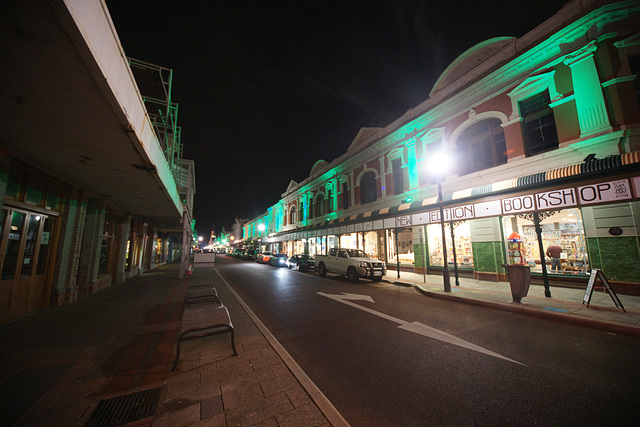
x=353 y=263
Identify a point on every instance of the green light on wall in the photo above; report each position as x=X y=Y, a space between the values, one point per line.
x=332 y=215
x=408 y=200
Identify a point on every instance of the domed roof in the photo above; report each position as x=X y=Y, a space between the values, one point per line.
x=318 y=167
x=469 y=60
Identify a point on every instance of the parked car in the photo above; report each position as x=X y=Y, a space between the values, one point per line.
x=237 y=253
x=301 y=263
x=249 y=254
x=278 y=260
x=263 y=257
x=353 y=263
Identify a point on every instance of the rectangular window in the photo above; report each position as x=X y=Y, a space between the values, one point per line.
x=539 y=125
x=45 y=246
x=13 y=245
x=53 y=197
x=35 y=190
x=33 y=227
x=14 y=186
x=398 y=185
x=345 y=196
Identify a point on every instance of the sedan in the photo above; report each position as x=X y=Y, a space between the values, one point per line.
x=263 y=257
x=278 y=260
x=301 y=263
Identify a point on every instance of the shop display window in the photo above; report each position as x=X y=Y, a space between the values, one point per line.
x=563 y=229
x=349 y=241
x=405 y=246
x=333 y=242
x=371 y=244
x=464 y=253
x=311 y=242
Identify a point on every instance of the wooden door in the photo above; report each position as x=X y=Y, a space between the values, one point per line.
x=25 y=235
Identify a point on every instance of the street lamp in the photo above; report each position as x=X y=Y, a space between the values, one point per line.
x=438 y=165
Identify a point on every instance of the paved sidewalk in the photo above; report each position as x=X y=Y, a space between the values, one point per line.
x=565 y=304
x=60 y=363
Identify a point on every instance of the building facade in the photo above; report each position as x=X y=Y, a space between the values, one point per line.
x=543 y=137
x=92 y=190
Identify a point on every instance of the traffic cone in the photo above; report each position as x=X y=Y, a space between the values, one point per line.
x=189 y=272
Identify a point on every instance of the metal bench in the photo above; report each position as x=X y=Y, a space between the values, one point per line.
x=203 y=320
x=200 y=293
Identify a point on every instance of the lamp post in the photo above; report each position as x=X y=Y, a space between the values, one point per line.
x=438 y=165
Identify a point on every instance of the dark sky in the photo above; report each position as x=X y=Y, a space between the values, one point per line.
x=267 y=88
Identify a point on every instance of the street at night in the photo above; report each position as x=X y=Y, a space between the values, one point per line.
x=285 y=214
x=377 y=372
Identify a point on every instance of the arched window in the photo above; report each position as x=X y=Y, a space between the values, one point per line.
x=481 y=146
x=292 y=215
x=368 y=188
x=320 y=205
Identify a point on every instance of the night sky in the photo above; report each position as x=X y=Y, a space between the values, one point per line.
x=265 y=89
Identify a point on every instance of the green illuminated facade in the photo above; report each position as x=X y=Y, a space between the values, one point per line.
x=545 y=128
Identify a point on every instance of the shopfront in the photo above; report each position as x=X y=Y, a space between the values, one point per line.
x=27 y=235
x=595 y=225
x=400 y=247
x=563 y=229
x=462 y=247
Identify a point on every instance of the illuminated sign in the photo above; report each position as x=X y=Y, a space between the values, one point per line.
x=605 y=192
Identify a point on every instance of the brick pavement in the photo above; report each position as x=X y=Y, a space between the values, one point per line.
x=60 y=363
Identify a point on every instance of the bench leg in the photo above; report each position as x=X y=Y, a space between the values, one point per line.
x=233 y=342
x=175 y=363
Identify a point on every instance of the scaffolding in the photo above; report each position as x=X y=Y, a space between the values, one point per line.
x=155 y=84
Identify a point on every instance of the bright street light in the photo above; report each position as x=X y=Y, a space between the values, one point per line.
x=438 y=164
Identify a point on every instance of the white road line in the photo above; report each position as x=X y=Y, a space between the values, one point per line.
x=415 y=327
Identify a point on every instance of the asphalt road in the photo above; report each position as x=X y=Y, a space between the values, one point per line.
x=403 y=359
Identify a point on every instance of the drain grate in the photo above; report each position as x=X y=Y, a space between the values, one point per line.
x=125 y=409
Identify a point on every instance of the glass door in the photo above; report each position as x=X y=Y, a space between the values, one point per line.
x=24 y=254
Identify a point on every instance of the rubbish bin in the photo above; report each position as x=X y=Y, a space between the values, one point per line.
x=519 y=279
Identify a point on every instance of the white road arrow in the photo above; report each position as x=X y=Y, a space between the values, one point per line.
x=415 y=327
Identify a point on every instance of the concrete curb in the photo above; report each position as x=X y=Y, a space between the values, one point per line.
x=531 y=311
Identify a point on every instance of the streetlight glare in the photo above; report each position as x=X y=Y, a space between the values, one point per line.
x=439 y=162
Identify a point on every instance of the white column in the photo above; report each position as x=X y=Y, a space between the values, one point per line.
x=592 y=110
